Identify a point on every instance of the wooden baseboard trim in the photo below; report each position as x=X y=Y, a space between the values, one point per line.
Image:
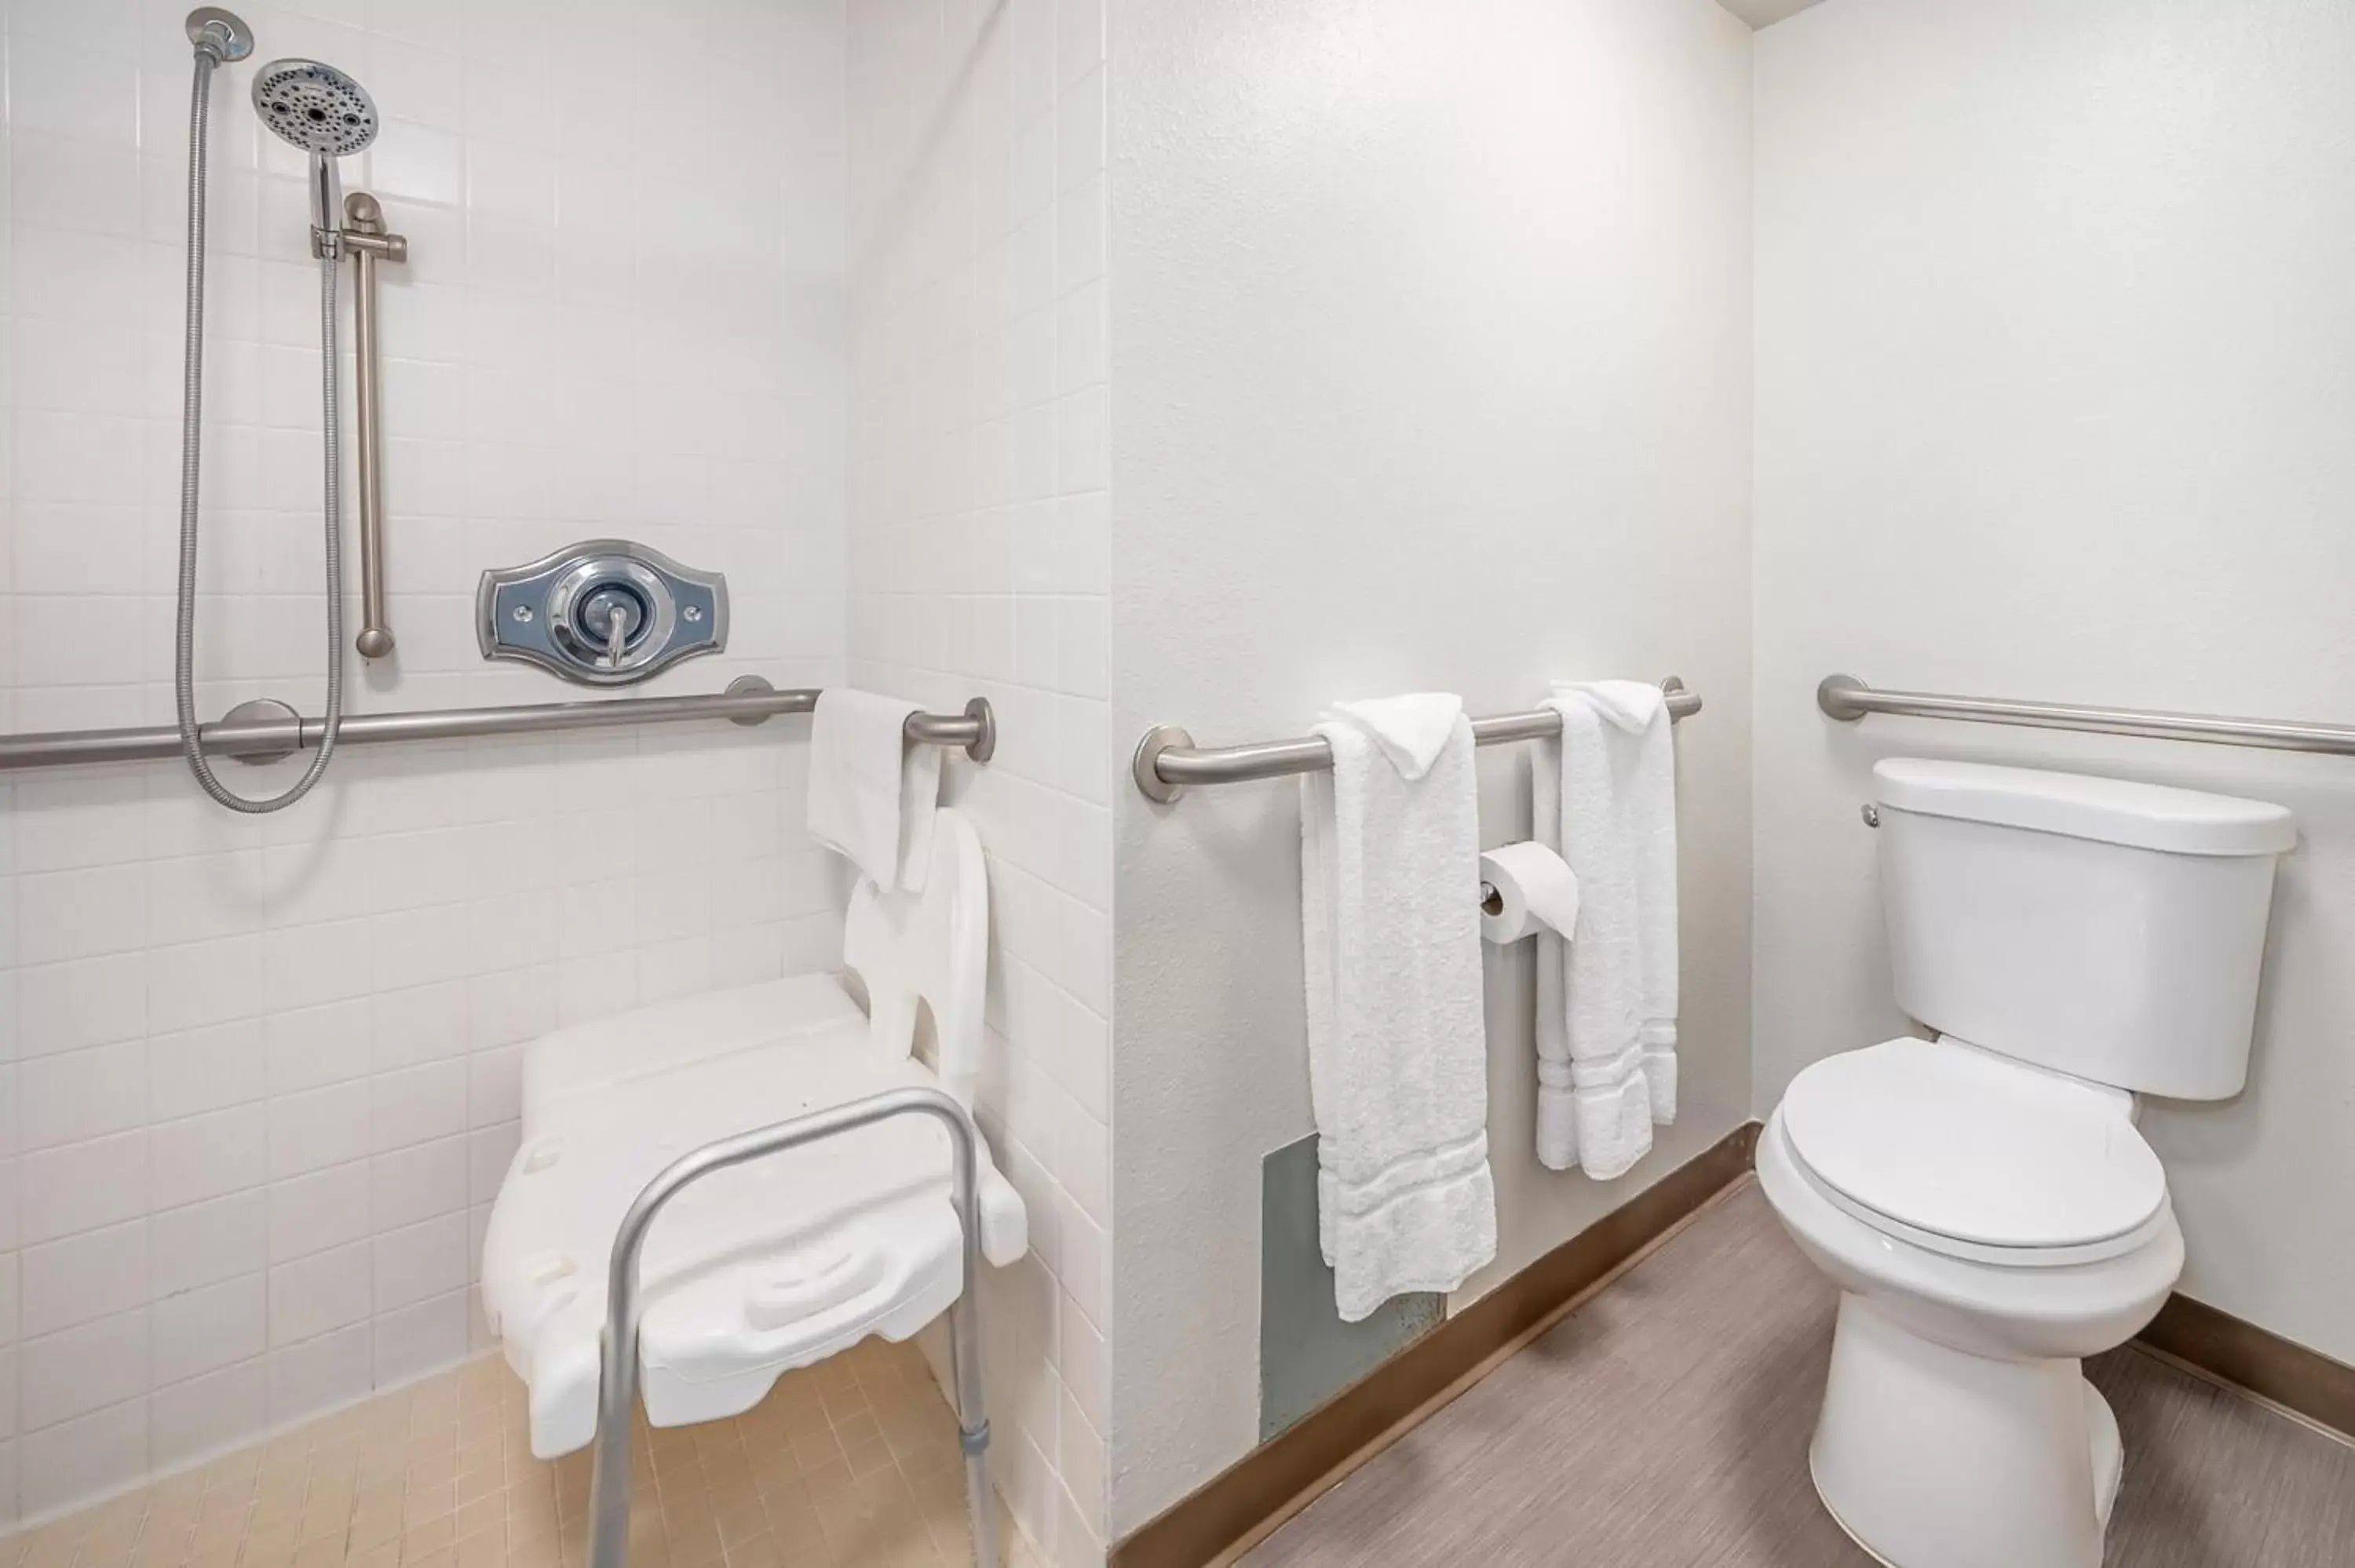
x=2239 y=1354
x=1244 y=1503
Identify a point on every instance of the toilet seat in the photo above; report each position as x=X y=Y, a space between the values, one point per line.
x=1966 y=1153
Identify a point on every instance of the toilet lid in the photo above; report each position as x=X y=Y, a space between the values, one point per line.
x=1959 y=1142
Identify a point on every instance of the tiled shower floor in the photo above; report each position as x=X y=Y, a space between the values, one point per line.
x=853 y=1461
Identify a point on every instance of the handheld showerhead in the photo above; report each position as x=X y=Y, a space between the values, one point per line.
x=325 y=113
x=316 y=107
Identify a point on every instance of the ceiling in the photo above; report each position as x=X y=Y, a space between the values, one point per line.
x=1761 y=12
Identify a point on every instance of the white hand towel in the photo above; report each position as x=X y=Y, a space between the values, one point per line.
x=871 y=794
x=1397 y=1055
x=1412 y=730
x=1606 y=797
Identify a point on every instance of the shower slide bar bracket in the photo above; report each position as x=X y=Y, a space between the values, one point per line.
x=1847 y=699
x=249 y=735
x=1166 y=760
x=617 y=1384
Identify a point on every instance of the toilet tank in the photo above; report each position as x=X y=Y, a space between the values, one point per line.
x=2106 y=930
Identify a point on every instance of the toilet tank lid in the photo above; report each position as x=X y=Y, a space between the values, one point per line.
x=2111 y=811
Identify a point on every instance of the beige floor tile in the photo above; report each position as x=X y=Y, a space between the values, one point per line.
x=850 y=1462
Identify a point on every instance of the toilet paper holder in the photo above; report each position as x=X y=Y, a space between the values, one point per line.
x=1526 y=887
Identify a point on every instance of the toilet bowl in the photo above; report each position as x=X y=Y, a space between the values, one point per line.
x=1958 y=1429
x=1982 y=1199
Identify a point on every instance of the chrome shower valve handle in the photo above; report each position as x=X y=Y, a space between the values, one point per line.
x=604 y=612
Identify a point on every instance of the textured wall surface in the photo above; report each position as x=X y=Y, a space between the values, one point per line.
x=1431 y=350
x=977 y=564
x=2056 y=367
x=257 y=1078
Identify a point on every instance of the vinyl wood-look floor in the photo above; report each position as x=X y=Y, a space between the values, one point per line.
x=1664 y=1424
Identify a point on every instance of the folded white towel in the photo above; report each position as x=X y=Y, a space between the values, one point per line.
x=1413 y=730
x=1397 y=1055
x=1606 y=797
x=1610 y=1112
x=871 y=794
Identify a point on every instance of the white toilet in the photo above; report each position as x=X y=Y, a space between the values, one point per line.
x=1982 y=1199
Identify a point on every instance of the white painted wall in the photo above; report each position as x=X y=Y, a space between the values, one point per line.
x=1766 y=13
x=977 y=566
x=2056 y=373
x=1431 y=369
x=258 y=1078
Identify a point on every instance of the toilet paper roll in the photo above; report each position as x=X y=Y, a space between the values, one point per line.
x=1527 y=887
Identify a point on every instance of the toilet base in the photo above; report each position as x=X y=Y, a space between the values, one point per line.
x=1930 y=1457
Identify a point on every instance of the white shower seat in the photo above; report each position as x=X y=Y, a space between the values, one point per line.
x=773 y=1264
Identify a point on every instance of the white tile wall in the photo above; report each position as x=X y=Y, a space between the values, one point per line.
x=978 y=561
x=258 y=1078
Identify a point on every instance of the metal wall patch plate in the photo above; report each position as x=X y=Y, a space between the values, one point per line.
x=604 y=612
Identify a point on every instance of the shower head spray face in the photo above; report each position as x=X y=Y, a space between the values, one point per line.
x=316 y=107
x=327 y=114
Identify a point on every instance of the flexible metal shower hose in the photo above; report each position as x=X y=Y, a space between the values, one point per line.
x=191 y=444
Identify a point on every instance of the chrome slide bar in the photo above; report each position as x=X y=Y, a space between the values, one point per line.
x=617 y=1385
x=1849 y=699
x=748 y=700
x=1166 y=760
x=366 y=241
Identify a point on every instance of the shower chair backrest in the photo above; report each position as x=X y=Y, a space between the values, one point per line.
x=931 y=947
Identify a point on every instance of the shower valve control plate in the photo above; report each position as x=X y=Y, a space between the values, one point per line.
x=606 y=612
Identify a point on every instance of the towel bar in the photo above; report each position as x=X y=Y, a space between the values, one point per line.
x=1846 y=698
x=1166 y=760
x=749 y=700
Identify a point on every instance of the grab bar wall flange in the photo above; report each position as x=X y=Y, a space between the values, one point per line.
x=749 y=700
x=1847 y=699
x=1166 y=760
x=617 y=1384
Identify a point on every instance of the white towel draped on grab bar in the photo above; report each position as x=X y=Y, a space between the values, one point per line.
x=1605 y=795
x=871 y=796
x=1398 y=1055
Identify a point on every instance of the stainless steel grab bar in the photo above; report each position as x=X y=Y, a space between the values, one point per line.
x=617 y=1384
x=1166 y=760
x=366 y=241
x=1846 y=698
x=748 y=700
